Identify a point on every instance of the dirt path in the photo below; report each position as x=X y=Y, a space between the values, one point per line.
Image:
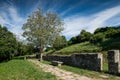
x=61 y=74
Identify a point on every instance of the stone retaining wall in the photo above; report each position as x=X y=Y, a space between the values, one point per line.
x=66 y=59
x=85 y=61
x=88 y=61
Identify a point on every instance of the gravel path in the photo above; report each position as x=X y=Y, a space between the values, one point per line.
x=61 y=74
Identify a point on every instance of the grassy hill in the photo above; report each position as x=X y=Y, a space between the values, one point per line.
x=79 y=48
x=87 y=47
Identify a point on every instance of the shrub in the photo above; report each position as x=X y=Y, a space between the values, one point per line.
x=96 y=38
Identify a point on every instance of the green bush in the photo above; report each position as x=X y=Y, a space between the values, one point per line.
x=97 y=38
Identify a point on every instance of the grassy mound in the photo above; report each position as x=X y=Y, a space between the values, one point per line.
x=22 y=70
x=79 y=48
x=87 y=47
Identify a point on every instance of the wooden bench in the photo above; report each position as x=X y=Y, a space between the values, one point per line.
x=57 y=63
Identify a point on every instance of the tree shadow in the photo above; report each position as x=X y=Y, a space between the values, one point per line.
x=19 y=57
x=3 y=61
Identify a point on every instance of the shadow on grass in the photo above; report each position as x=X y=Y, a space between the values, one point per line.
x=25 y=57
x=19 y=57
x=3 y=61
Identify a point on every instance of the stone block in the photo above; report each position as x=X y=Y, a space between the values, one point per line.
x=113 y=61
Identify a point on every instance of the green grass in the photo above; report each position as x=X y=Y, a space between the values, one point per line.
x=79 y=48
x=49 y=52
x=46 y=62
x=22 y=70
x=92 y=74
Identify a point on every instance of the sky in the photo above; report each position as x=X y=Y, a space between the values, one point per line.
x=77 y=14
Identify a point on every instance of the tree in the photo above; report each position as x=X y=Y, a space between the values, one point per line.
x=109 y=32
x=7 y=44
x=84 y=36
x=73 y=40
x=60 y=42
x=96 y=38
x=101 y=30
x=42 y=29
x=23 y=49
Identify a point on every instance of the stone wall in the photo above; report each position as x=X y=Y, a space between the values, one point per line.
x=113 y=61
x=66 y=59
x=85 y=61
x=88 y=61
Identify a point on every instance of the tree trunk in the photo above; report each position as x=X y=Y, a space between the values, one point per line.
x=41 y=54
x=40 y=58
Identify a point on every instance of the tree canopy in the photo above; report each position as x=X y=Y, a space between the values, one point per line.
x=7 y=44
x=42 y=29
x=99 y=35
x=60 y=42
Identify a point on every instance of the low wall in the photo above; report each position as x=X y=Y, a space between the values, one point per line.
x=88 y=61
x=85 y=61
x=65 y=59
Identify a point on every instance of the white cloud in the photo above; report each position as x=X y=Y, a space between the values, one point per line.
x=2 y=21
x=69 y=9
x=3 y=18
x=72 y=7
x=14 y=15
x=74 y=24
x=12 y=20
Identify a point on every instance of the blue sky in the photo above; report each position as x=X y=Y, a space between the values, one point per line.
x=77 y=14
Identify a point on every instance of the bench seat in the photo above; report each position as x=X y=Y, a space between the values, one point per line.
x=57 y=63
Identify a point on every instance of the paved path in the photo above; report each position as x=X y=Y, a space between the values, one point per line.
x=61 y=74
